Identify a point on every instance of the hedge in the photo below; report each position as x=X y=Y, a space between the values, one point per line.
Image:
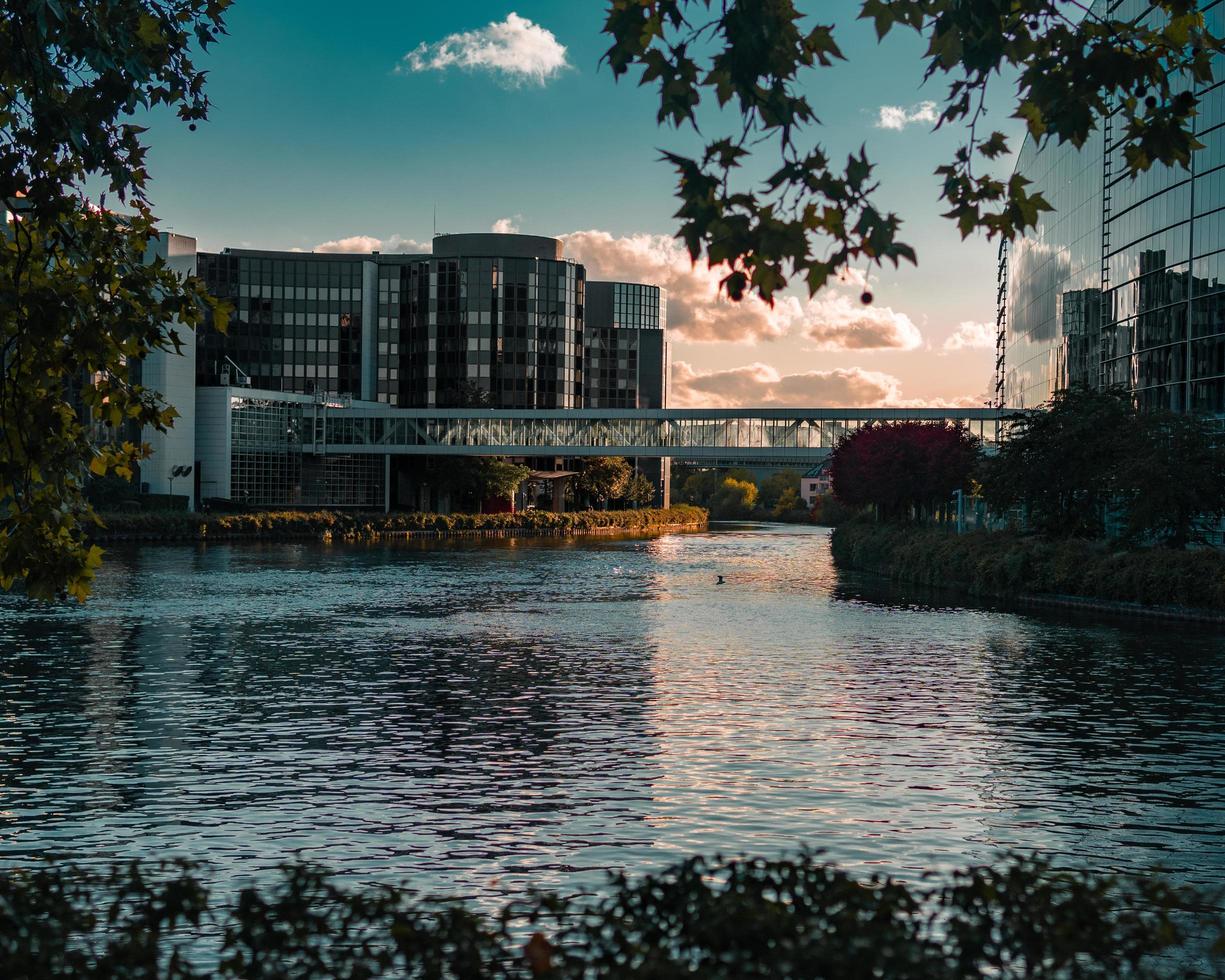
x=751 y=918
x=330 y=525
x=1009 y=565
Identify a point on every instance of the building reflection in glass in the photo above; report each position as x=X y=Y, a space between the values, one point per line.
x=1121 y=284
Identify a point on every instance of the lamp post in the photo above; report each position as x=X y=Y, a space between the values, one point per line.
x=177 y=472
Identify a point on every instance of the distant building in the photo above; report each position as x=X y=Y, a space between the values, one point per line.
x=624 y=350
x=815 y=483
x=501 y=320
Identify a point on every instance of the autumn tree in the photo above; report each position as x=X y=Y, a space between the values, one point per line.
x=903 y=470
x=747 y=67
x=776 y=486
x=81 y=304
x=734 y=500
x=605 y=478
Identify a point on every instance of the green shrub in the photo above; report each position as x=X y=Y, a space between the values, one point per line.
x=1005 y=564
x=829 y=511
x=714 y=919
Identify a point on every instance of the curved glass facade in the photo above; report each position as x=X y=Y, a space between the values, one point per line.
x=1122 y=283
x=453 y=331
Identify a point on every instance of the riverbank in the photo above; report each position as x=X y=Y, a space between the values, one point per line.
x=343 y=526
x=1154 y=583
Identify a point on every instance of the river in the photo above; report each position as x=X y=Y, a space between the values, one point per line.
x=474 y=718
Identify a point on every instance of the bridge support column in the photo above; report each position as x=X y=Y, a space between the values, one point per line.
x=387 y=484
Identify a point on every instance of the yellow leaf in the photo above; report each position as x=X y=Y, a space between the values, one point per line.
x=98 y=466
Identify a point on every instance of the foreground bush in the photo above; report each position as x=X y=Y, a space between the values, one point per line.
x=999 y=563
x=710 y=919
x=338 y=525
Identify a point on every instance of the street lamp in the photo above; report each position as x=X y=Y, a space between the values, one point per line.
x=177 y=472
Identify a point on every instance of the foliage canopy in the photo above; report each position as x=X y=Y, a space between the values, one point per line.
x=81 y=303
x=903 y=469
x=1092 y=453
x=605 y=478
x=812 y=218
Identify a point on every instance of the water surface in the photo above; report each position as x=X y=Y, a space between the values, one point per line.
x=474 y=718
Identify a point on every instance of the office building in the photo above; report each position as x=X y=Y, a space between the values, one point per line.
x=483 y=320
x=1123 y=284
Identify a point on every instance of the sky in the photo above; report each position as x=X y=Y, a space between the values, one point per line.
x=350 y=126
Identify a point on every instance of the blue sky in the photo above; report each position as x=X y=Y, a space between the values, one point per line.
x=316 y=138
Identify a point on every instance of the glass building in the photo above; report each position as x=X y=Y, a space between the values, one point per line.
x=296 y=325
x=624 y=350
x=1122 y=283
x=485 y=319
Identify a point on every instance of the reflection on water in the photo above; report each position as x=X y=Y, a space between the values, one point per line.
x=476 y=718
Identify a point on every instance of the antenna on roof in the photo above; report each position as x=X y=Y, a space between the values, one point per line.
x=435 y=219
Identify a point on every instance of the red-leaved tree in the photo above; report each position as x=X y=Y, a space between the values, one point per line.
x=904 y=470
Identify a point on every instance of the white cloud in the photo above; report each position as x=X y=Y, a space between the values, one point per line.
x=515 y=50
x=970 y=335
x=507 y=226
x=837 y=322
x=368 y=243
x=698 y=312
x=761 y=384
x=899 y=117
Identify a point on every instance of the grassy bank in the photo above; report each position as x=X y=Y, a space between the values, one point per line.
x=1005 y=565
x=343 y=526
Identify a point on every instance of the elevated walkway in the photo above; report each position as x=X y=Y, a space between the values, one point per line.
x=783 y=435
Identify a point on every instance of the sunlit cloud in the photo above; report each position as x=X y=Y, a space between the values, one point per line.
x=507 y=226
x=515 y=51
x=368 y=243
x=899 y=117
x=698 y=312
x=762 y=384
x=838 y=322
x=970 y=335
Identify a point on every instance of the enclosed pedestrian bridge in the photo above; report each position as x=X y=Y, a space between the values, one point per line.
x=279 y=448
x=746 y=435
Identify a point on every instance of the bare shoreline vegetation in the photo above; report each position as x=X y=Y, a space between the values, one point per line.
x=326 y=525
x=1006 y=565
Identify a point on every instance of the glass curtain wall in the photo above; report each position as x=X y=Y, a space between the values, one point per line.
x=484 y=330
x=623 y=345
x=296 y=324
x=1122 y=284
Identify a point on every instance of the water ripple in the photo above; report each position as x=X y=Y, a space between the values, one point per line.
x=481 y=717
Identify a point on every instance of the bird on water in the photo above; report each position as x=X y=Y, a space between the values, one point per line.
x=720 y=581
